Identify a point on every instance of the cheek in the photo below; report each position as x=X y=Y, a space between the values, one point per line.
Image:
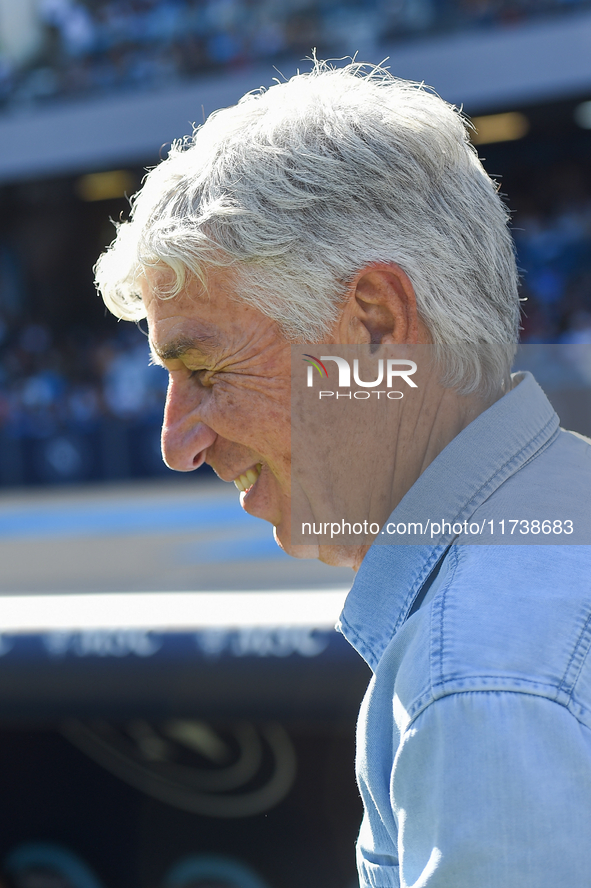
x=252 y=418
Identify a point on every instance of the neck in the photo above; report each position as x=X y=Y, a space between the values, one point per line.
x=409 y=440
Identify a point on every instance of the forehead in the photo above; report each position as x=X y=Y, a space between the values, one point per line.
x=184 y=321
x=194 y=301
x=211 y=320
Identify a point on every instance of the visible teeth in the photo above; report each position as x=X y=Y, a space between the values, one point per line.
x=246 y=481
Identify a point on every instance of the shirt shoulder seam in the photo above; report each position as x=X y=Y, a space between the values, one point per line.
x=422 y=707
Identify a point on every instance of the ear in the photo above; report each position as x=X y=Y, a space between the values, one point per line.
x=381 y=307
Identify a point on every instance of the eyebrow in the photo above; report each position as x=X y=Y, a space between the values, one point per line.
x=179 y=347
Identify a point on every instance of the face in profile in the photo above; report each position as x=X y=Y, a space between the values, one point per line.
x=228 y=399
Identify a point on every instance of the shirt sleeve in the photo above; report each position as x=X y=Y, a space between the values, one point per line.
x=493 y=789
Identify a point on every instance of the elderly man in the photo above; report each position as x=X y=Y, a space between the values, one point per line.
x=345 y=209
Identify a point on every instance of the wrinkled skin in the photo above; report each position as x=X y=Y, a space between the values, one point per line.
x=228 y=399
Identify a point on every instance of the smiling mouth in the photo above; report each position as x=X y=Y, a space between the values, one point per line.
x=248 y=479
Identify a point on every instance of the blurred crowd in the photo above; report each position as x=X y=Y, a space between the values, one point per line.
x=88 y=376
x=83 y=407
x=554 y=256
x=97 y=46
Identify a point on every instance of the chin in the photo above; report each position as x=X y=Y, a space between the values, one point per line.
x=282 y=538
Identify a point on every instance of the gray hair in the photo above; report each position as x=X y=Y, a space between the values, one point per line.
x=298 y=187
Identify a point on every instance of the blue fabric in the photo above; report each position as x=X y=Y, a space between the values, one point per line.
x=474 y=740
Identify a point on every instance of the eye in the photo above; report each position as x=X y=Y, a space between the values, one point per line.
x=202 y=376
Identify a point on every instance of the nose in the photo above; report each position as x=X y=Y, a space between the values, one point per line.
x=185 y=438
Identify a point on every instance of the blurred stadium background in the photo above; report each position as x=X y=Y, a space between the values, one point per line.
x=153 y=732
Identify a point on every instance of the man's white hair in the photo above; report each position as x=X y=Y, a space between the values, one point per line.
x=298 y=187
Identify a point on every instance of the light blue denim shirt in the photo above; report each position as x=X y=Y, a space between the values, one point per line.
x=474 y=740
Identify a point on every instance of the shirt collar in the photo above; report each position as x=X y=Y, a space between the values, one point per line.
x=472 y=466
